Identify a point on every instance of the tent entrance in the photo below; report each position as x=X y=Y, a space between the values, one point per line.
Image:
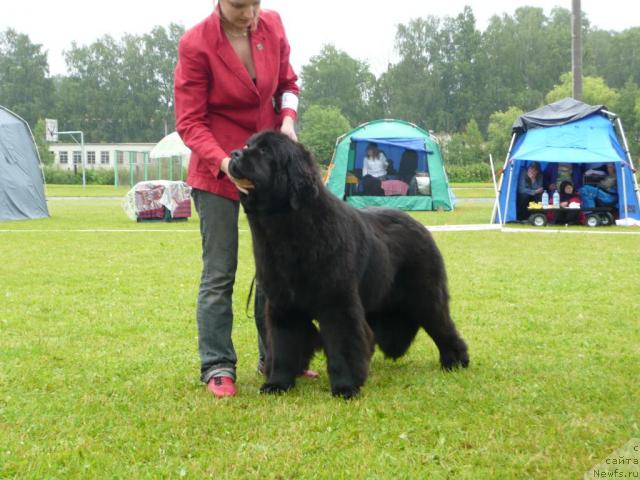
x=387 y=167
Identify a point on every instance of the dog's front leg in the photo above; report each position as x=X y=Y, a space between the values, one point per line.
x=347 y=341
x=286 y=334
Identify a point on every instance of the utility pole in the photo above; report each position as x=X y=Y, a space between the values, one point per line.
x=576 y=48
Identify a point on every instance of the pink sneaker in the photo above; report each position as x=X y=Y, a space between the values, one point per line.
x=310 y=374
x=222 y=387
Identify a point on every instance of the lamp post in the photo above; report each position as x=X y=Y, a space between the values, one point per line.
x=576 y=49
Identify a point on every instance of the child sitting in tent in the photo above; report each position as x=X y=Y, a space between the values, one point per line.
x=568 y=197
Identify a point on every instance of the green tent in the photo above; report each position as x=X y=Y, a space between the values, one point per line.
x=413 y=182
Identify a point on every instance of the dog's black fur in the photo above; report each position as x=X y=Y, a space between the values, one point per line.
x=367 y=276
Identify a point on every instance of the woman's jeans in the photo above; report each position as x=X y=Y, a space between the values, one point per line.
x=219 y=232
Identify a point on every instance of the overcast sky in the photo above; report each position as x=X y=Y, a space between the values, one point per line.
x=365 y=29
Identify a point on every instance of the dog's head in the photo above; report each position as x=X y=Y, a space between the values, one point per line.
x=282 y=171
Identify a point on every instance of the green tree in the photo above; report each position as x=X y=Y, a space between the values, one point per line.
x=121 y=90
x=499 y=132
x=334 y=79
x=24 y=84
x=43 y=146
x=160 y=52
x=321 y=126
x=613 y=55
x=594 y=91
x=414 y=88
x=637 y=110
x=625 y=108
x=527 y=52
x=467 y=147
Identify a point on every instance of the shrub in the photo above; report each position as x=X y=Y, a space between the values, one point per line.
x=54 y=175
x=474 y=172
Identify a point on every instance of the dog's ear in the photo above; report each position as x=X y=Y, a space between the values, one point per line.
x=302 y=175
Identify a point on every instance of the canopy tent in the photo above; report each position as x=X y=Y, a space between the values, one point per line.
x=170 y=146
x=394 y=138
x=21 y=179
x=568 y=132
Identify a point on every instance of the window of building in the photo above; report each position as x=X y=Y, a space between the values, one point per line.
x=63 y=157
x=91 y=158
x=77 y=157
x=104 y=158
x=120 y=156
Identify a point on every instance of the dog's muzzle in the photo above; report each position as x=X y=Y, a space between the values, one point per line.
x=233 y=163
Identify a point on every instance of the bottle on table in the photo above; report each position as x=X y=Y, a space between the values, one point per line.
x=556 y=199
x=545 y=199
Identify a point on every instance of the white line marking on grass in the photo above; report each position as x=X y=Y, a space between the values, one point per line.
x=586 y=231
x=463 y=228
x=105 y=230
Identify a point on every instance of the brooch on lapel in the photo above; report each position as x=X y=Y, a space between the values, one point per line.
x=259 y=46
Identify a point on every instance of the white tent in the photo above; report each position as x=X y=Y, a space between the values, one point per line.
x=170 y=146
x=21 y=179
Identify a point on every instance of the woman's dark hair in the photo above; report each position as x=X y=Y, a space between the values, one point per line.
x=565 y=196
x=564 y=184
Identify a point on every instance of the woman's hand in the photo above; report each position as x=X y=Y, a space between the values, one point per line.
x=288 y=128
x=241 y=184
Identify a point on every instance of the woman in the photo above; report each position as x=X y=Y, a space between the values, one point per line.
x=375 y=163
x=233 y=72
x=529 y=189
x=374 y=170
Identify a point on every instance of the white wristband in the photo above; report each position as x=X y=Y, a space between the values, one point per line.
x=290 y=100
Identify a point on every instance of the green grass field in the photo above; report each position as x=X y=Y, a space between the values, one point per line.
x=86 y=191
x=99 y=364
x=461 y=190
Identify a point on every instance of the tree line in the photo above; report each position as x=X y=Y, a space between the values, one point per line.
x=449 y=77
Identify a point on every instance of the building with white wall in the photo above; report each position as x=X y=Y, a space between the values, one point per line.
x=99 y=155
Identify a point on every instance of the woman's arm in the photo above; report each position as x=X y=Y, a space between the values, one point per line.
x=191 y=87
x=287 y=91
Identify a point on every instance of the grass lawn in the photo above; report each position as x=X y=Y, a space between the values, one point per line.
x=99 y=375
x=87 y=191
x=461 y=190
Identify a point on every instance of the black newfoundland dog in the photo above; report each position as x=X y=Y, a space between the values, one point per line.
x=372 y=276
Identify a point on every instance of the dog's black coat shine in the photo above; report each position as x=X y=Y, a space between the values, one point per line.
x=372 y=276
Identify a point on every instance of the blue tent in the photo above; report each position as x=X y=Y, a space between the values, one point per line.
x=586 y=142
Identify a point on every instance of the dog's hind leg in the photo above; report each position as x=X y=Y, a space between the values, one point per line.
x=431 y=311
x=293 y=338
x=348 y=344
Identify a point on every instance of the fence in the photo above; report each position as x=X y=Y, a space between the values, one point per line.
x=132 y=167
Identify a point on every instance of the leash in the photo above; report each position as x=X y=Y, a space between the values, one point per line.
x=246 y=307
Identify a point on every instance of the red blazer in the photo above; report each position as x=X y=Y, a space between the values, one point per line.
x=217 y=105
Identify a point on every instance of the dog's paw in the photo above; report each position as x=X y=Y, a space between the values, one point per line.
x=454 y=359
x=274 y=388
x=345 y=391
